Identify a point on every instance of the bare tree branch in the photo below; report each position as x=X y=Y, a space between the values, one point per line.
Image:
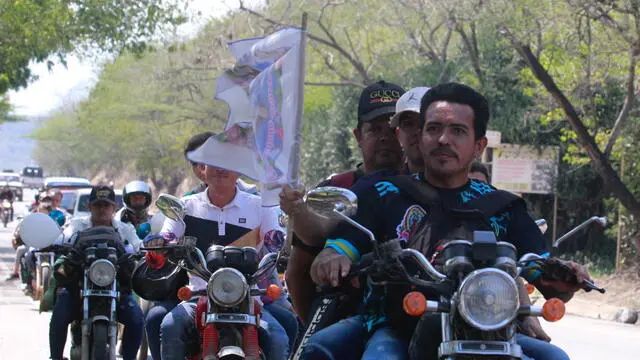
x=332 y=42
x=468 y=44
x=628 y=103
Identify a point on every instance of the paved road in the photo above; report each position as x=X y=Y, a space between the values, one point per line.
x=24 y=332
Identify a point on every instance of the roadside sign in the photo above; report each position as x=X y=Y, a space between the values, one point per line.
x=525 y=169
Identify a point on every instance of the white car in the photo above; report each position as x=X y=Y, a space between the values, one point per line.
x=81 y=205
x=12 y=180
x=66 y=182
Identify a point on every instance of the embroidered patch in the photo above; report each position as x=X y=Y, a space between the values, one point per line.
x=410 y=220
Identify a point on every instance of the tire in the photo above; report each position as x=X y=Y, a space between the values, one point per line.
x=100 y=341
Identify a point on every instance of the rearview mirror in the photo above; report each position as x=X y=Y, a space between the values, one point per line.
x=171 y=206
x=327 y=200
x=39 y=230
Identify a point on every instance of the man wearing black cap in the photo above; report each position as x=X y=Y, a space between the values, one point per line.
x=102 y=203
x=380 y=151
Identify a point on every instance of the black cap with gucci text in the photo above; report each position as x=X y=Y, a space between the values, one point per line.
x=378 y=99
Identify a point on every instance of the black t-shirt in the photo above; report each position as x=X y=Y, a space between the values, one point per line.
x=390 y=213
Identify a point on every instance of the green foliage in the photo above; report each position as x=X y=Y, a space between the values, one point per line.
x=34 y=30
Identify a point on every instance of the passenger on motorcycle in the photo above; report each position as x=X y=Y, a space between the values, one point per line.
x=221 y=215
x=453 y=135
x=136 y=196
x=380 y=150
x=479 y=171
x=195 y=142
x=68 y=306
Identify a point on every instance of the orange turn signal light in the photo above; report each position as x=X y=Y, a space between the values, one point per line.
x=530 y=288
x=414 y=303
x=273 y=291
x=553 y=310
x=184 y=293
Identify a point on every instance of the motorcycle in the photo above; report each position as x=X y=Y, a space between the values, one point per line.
x=228 y=311
x=43 y=273
x=99 y=257
x=475 y=295
x=6 y=212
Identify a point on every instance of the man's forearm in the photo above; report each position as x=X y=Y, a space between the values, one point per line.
x=310 y=228
x=299 y=283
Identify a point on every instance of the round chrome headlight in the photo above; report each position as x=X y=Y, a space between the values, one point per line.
x=102 y=272
x=488 y=299
x=227 y=287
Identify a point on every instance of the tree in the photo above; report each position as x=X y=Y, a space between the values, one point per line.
x=35 y=30
x=607 y=18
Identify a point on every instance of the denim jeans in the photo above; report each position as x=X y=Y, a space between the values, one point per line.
x=69 y=307
x=540 y=350
x=350 y=340
x=178 y=326
x=287 y=320
x=153 y=321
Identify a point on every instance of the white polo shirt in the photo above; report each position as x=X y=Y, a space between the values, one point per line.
x=243 y=218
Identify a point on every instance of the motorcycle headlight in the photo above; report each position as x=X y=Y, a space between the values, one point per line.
x=227 y=287
x=102 y=272
x=488 y=299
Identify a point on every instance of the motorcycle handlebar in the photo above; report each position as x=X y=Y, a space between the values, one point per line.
x=424 y=264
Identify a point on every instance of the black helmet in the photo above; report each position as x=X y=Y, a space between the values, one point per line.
x=136 y=187
x=160 y=284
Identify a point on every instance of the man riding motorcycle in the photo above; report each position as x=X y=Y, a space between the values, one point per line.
x=102 y=204
x=221 y=215
x=455 y=120
x=7 y=194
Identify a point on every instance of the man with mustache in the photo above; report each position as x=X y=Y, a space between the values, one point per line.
x=455 y=120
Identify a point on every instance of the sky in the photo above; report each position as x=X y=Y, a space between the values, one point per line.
x=67 y=85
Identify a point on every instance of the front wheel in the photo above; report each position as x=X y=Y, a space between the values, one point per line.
x=100 y=341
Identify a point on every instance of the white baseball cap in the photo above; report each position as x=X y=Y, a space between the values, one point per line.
x=409 y=101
